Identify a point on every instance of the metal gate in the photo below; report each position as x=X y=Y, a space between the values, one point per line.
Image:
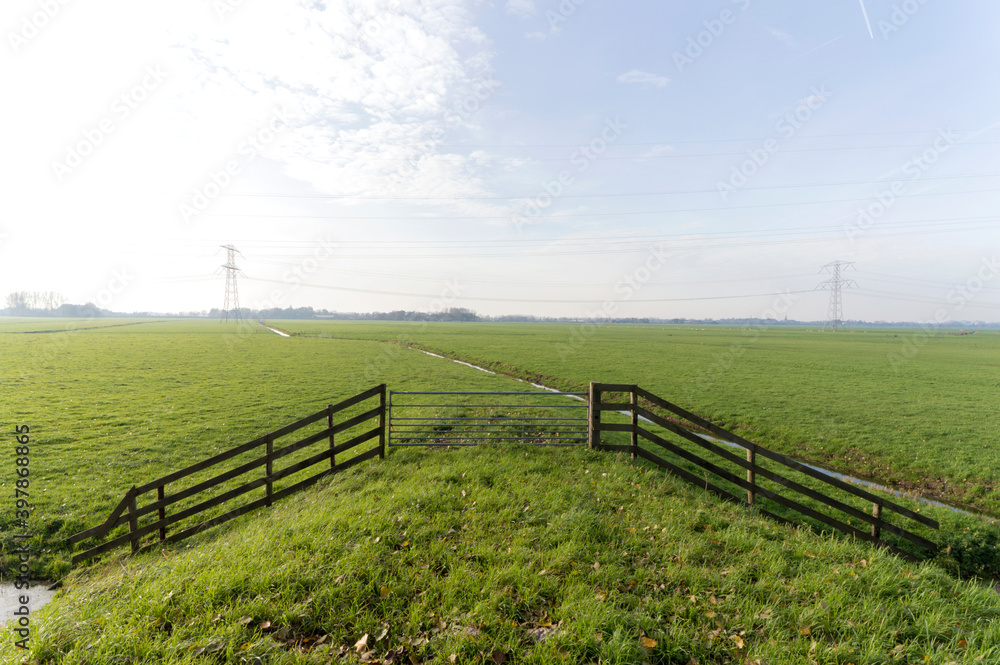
x=462 y=418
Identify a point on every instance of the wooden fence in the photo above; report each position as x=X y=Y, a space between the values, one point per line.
x=636 y=410
x=721 y=446
x=130 y=512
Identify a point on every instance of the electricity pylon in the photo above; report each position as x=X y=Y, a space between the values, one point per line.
x=834 y=286
x=232 y=302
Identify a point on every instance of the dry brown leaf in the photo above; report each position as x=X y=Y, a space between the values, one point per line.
x=648 y=642
x=962 y=644
x=806 y=630
x=264 y=625
x=245 y=620
x=499 y=657
x=362 y=644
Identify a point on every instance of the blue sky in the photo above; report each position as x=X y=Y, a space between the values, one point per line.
x=573 y=158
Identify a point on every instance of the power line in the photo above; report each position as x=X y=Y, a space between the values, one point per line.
x=527 y=300
x=571 y=216
x=714 y=190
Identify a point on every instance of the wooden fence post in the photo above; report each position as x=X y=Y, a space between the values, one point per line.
x=329 y=424
x=162 y=512
x=593 y=417
x=268 y=469
x=877 y=514
x=381 y=421
x=634 y=401
x=133 y=520
x=752 y=476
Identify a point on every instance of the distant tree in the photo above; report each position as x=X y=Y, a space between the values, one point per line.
x=18 y=302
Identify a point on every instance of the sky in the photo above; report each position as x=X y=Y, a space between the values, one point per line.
x=573 y=158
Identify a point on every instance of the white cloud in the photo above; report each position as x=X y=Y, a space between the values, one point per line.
x=521 y=8
x=643 y=78
x=370 y=94
x=782 y=36
x=535 y=36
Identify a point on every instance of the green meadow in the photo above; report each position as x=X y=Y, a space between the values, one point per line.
x=903 y=408
x=502 y=552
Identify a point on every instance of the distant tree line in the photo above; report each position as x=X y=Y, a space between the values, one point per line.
x=27 y=302
x=48 y=303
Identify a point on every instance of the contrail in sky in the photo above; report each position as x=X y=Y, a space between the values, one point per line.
x=867 y=22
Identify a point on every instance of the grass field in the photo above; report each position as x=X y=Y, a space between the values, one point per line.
x=519 y=555
x=124 y=401
x=117 y=406
x=116 y=403
x=899 y=407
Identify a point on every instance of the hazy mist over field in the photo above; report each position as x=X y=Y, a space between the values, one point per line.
x=568 y=158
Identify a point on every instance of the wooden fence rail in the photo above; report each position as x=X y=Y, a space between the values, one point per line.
x=720 y=445
x=694 y=443
x=128 y=511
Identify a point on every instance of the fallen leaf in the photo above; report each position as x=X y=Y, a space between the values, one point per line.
x=738 y=641
x=381 y=636
x=453 y=658
x=499 y=657
x=245 y=620
x=216 y=618
x=384 y=592
x=264 y=625
x=361 y=644
x=805 y=631
x=648 y=642
x=962 y=644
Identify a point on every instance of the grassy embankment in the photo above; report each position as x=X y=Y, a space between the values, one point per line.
x=486 y=555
